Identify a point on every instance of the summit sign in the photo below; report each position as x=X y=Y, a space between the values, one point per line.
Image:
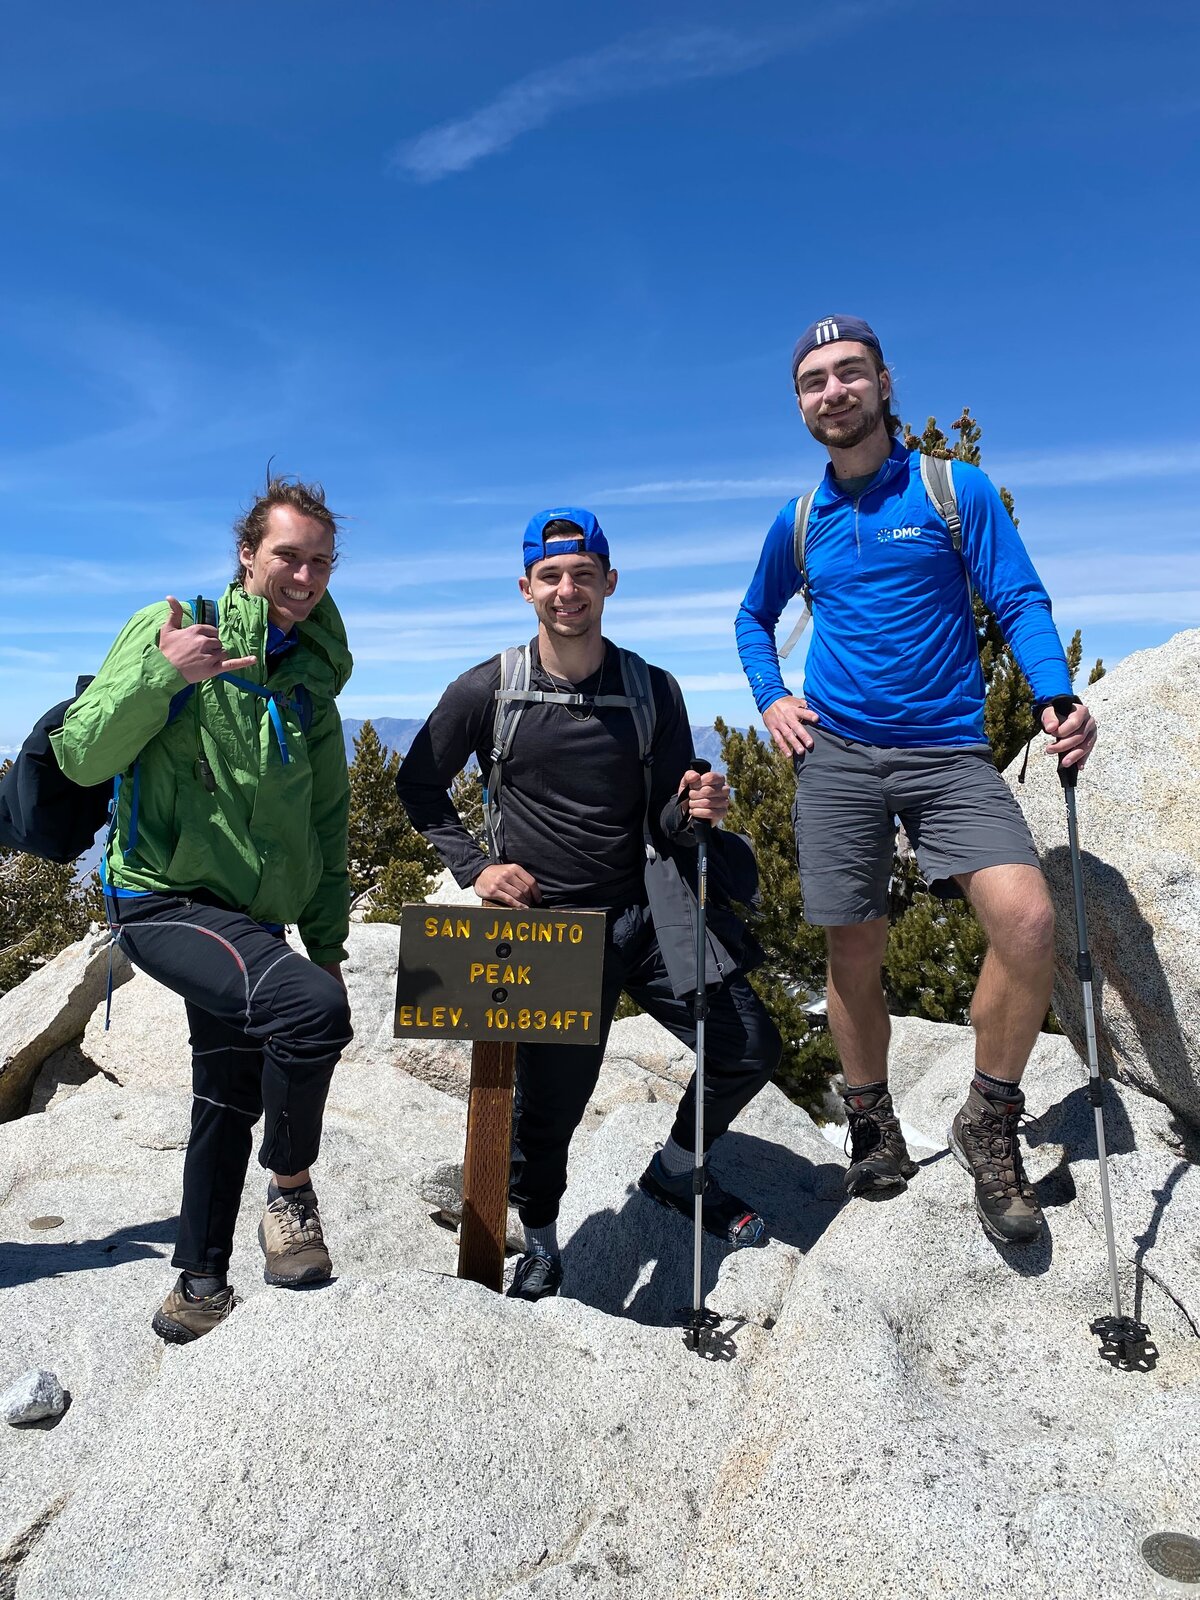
x=492 y=973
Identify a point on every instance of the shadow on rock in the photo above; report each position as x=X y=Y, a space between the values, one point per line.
x=1123 y=942
x=26 y=1263
x=605 y=1260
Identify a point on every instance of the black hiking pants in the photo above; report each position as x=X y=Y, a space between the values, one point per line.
x=267 y=1028
x=555 y=1081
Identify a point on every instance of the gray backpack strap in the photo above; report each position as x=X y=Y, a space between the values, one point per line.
x=635 y=678
x=799 y=540
x=938 y=478
x=511 y=697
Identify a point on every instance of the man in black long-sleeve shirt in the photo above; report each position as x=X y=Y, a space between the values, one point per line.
x=572 y=822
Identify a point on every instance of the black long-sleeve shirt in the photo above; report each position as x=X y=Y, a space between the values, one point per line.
x=573 y=794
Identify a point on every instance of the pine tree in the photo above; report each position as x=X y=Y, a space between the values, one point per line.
x=389 y=861
x=43 y=908
x=793 y=973
x=466 y=796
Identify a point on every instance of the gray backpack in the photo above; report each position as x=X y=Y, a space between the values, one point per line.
x=939 y=486
x=514 y=694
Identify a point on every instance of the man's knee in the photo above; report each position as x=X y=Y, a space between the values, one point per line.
x=1021 y=928
x=856 y=949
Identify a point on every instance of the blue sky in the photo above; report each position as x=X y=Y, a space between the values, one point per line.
x=461 y=262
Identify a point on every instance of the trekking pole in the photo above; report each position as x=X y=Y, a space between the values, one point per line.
x=702 y=1321
x=1123 y=1341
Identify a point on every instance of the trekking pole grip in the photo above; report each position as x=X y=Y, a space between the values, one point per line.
x=1063 y=706
x=702 y=830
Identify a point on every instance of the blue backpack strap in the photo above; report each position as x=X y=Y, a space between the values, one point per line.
x=272 y=697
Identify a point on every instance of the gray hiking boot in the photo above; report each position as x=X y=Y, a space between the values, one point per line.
x=292 y=1241
x=880 y=1165
x=983 y=1140
x=180 y=1319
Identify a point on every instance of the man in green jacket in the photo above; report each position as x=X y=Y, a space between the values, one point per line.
x=232 y=804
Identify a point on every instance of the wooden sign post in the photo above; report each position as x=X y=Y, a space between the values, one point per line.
x=498 y=977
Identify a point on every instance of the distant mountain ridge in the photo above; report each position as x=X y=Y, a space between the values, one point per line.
x=397 y=733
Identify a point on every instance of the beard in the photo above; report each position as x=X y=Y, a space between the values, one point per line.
x=845 y=433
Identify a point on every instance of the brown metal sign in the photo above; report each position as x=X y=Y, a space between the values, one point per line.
x=470 y=972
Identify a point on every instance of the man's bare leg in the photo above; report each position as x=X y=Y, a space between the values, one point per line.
x=1013 y=993
x=858 y=1014
x=1011 y=997
x=880 y=1164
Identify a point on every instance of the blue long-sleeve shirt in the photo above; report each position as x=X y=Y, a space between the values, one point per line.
x=893 y=658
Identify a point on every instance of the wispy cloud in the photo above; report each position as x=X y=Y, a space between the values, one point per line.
x=647 y=60
x=1173 y=606
x=1064 y=469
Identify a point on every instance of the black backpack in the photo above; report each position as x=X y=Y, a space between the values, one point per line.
x=42 y=811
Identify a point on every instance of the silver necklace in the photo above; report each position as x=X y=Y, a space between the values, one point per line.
x=569 y=688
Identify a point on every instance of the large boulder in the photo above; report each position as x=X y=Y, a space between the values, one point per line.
x=48 y=1011
x=1139 y=822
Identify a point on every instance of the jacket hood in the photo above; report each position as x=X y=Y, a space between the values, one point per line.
x=323 y=648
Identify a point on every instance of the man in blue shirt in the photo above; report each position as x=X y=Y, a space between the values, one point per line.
x=891 y=724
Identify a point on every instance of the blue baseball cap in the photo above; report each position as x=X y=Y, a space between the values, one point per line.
x=536 y=547
x=826 y=330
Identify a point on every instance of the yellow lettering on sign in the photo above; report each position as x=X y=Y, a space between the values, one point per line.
x=587 y=1019
x=570 y=1018
x=476 y=972
x=576 y=934
x=439 y=1016
x=456 y=1015
x=523 y=975
x=545 y=933
x=493 y=932
x=431 y=927
x=406 y=1016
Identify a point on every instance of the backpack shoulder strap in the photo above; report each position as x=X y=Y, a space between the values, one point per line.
x=799 y=542
x=635 y=679
x=512 y=696
x=938 y=478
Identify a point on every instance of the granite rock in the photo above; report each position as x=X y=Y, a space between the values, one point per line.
x=1138 y=802
x=35 y=1395
x=48 y=1011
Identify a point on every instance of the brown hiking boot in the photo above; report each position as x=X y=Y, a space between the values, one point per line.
x=880 y=1165
x=181 y=1319
x=983 y=1139
x=292 y=1241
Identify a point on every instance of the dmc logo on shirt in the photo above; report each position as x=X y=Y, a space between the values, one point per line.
x=886 y=535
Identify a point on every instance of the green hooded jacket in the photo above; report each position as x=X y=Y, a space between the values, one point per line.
x=265 y=836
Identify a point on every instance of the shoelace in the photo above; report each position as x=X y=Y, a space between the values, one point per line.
x=298 y=1221
x=995 y=1137
x=865 y=1132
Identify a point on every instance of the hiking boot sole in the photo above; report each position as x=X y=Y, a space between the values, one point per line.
x=277 y=1280
x=989 y=1227
x=874 y=1185
x=171 y=1332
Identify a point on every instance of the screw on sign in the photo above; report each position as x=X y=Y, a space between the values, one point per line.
x=1175 y=1556
x=498 y=980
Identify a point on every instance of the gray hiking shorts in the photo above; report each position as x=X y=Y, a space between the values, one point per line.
x=955 y=808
